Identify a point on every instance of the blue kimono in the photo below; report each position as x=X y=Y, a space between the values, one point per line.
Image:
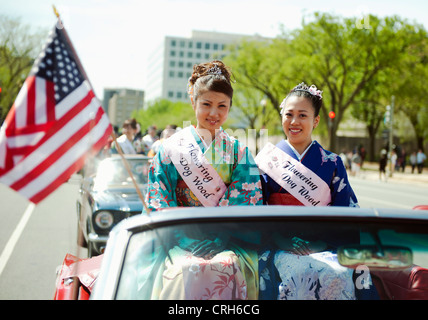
x=327 y=165
x=285 y=275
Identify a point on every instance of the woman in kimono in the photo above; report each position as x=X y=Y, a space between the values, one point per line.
x=203 y=166
x=299 y=171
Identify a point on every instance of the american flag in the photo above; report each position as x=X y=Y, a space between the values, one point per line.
x=54 y=124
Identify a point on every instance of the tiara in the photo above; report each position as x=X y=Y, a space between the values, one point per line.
x=312 y=89
x=214 y=70
x=302 y=87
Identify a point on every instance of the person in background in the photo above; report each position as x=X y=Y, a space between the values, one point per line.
x=382 y=165
x=150 y=137
x=412 y=160
x=420 y=160
x=125 y=141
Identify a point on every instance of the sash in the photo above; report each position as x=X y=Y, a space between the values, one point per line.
x=301 y=182
x=199 y=175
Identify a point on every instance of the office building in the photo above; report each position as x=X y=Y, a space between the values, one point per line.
x=171 y=64
x=120 y=104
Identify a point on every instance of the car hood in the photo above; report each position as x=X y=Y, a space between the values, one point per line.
x=123 y=199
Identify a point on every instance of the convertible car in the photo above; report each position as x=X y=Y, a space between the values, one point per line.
x=107 y=196
x=262 y=252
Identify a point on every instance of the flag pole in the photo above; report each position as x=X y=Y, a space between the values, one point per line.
x=119 y=150
x=125 y=162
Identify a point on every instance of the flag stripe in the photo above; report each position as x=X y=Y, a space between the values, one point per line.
x=56 y=154
x=40 y=101
x=40 y=195
x=31 y=101
x=52 y=174
x=48 y=145
x=19 y=118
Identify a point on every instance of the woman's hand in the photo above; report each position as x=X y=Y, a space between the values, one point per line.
x=208 y=248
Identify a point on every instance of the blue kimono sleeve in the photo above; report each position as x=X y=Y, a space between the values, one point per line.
x=341 y=190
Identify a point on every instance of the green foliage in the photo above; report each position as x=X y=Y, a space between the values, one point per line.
x=18 y=48
x=164 y=112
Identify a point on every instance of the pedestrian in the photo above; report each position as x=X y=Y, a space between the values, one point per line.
x=382 y=165
x=420 y=160
x=150 y=137
x=412 y=160
x=299 y=171
x=393 y=161
x=125 y=141
x=203 y=166
x=355 y=164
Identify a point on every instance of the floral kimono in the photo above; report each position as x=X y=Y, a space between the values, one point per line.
x=231 y=274
x=283 y=274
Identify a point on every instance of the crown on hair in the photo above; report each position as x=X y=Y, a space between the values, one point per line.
x=312 y=89
x=214 y=70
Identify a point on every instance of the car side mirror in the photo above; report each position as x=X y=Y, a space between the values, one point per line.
x=375 y=257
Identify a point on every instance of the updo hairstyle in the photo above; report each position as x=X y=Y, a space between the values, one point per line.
x=210 y=76
x=311 y=93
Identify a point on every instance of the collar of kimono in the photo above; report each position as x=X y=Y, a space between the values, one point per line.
x=199 y=175
x=301 y=182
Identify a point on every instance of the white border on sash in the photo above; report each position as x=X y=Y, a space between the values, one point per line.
x=301 y=182
x=199 y=175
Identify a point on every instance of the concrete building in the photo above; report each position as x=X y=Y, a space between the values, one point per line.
x=171 y=64
x=119 y=104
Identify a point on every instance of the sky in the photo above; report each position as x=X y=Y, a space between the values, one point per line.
x=114 y=38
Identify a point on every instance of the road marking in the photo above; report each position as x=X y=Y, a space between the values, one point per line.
x=384 y=204
x=8 y=249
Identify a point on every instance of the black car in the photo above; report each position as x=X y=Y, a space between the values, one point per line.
x=107 y=196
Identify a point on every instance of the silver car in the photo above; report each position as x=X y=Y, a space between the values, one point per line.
x=383 y=252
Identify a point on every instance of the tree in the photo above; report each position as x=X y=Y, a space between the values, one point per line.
x=164 y=112
x=345 y=58
x=18 y=48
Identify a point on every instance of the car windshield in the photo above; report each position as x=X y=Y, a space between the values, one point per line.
x=112 y=172
x=268 y=259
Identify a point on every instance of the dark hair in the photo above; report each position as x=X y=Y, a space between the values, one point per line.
x=210 y=76
x=311 y=93
x=130 y=122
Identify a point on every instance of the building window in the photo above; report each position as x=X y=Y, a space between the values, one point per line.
x=215 y=46
x=207 y=55
x=189 y=65
x=190 y=54
x=181 y=64
x=171 y=74
x=182 y=43
x=172 y=53
x=179 y=95
x=190 y=44
x=198 y=45
x=180 y=74
x=198 y=55
x=172 y=63
x=207 y=46
x=170 y=94
x=173 y=43
x=181 y=54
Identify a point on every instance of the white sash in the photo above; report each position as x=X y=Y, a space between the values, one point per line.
x=301 y=182
x=199 y=175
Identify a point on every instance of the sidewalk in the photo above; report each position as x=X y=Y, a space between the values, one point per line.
x=370 y=170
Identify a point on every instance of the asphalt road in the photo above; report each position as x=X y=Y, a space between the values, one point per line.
x=31 y=250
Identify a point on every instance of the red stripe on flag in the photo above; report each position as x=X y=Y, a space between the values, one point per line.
x=42 y=194
x=31 y=100
x=50 y=101
x=58 y=153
